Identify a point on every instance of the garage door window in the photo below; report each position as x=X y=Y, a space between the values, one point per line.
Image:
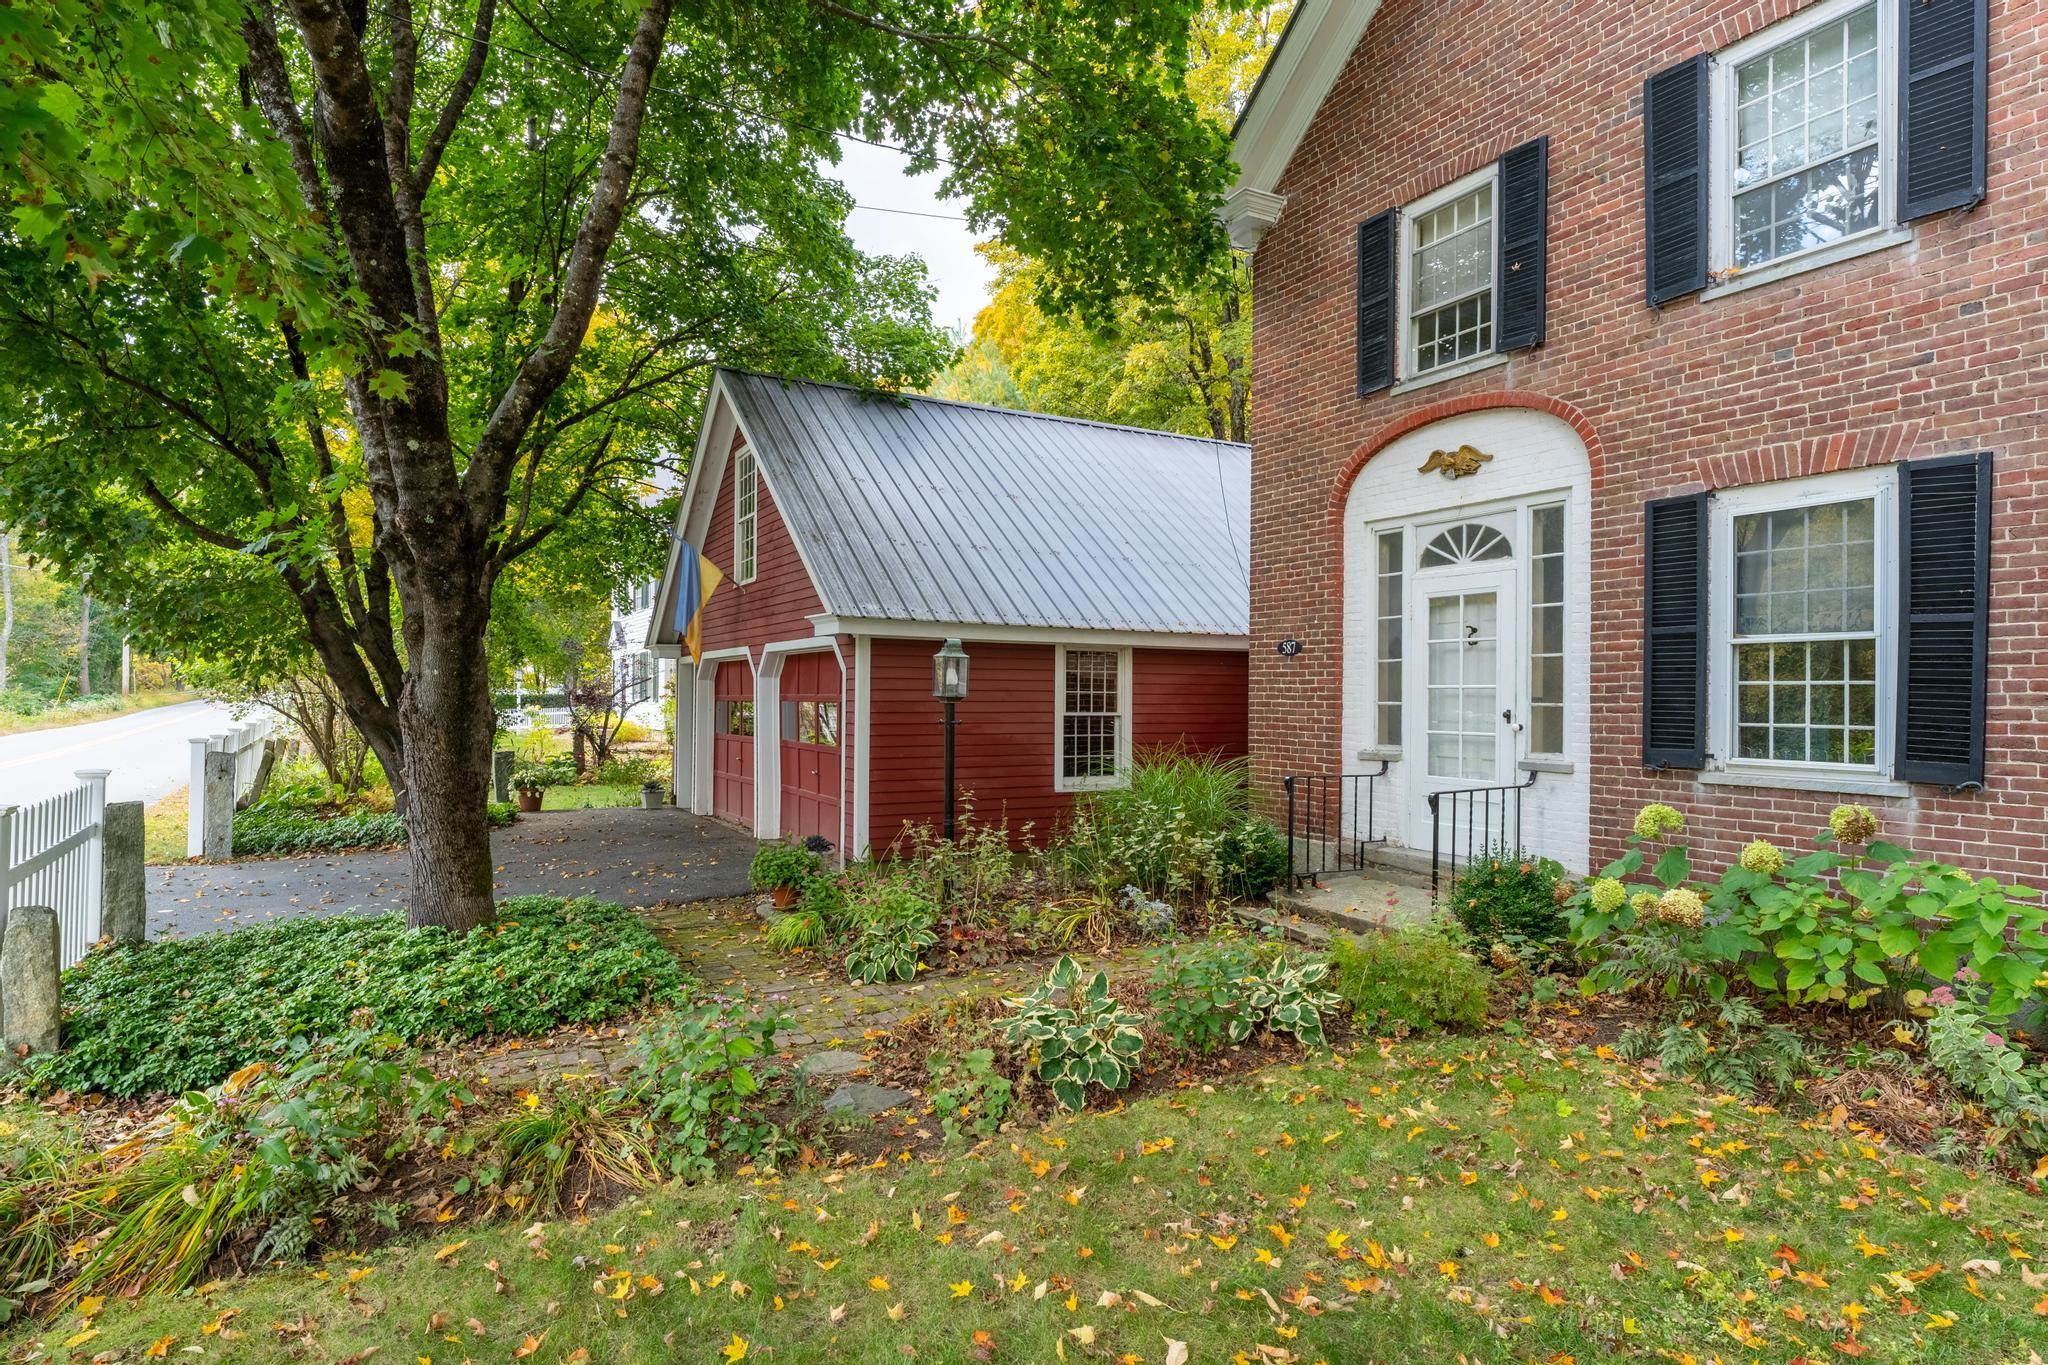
x=811 y=722
x=735 y=718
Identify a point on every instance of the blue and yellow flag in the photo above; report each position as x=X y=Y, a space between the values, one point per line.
x=699 y=578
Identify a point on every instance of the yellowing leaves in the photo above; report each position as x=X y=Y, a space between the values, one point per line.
x=736 y=1349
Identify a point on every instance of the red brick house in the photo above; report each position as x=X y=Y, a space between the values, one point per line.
x=1650 y=408
x=1096 y=575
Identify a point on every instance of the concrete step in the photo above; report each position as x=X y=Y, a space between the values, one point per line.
x=1355 y=902
x=1292 y=927
x=1380 y=862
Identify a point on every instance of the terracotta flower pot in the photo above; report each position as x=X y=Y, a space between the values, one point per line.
x=529 y=800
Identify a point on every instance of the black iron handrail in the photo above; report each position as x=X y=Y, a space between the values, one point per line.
x=1330 y=823
x=1481 y=837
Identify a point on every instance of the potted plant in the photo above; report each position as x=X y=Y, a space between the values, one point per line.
x=651 y=794
x=781 y=870
x=531 y=781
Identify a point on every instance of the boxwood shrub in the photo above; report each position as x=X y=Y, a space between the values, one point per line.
x=179 y=1014
x=266 y=829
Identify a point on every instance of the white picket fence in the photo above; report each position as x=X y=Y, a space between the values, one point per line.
x=51 y=853
x=245 y=742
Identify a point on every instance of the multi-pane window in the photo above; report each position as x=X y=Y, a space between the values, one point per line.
x=811 y=722
x=1546 y=630
x=1806 y=141
x=1464 y=685
x=746 y=516
x=1805 y=634
x=734 y=718
x=1469 y=542
x=1450 y=281
x=1092 y=719
x=1387 y=639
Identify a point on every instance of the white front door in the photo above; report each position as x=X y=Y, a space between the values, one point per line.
x=1463 y=675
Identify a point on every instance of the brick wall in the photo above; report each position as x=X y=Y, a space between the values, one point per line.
x=1934 y=347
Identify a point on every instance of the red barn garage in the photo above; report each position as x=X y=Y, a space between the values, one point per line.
x=1096 y=574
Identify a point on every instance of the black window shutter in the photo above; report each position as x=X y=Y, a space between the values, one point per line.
x=1376 y=303
x=1675 y=632
x=1524 y=240
x=1942 y=78
x=1944 y=618
x=1675 y=179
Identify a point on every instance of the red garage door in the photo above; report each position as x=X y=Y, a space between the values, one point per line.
x=810 y=747
x=732 y=744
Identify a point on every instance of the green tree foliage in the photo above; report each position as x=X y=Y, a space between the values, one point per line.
x=320 y=319
x=1175 y=361
x=42 y=643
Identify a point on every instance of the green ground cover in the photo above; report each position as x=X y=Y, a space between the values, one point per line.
x=1500 y=1198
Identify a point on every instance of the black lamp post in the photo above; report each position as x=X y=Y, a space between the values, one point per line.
x=949 y=685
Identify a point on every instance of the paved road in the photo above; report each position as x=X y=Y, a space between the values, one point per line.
x=147 y=751
x=635 y=857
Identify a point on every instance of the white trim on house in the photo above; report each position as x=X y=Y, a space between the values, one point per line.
x=1124 y=674
x=693 y=513
x=863 y=747
x=704 y=700
x=827 y=624
x=1311 y=54
x=1880 y=485
x=1721 y=124
x=746 y=515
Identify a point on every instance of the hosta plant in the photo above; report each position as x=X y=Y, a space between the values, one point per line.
x=1076 y=1032
x=896 y=928
x=1285 y=997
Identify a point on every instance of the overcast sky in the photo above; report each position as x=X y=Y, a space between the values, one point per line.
x=876 y=179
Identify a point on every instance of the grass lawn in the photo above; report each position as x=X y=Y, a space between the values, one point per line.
x=163 y=827
x=91 y=709
x=589 y=798
x=1452 y=1198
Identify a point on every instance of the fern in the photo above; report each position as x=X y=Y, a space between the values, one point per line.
x=1727 y=1047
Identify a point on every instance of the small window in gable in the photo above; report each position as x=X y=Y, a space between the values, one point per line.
x=1092 y=689
x=746 y=517
x=1466 y=543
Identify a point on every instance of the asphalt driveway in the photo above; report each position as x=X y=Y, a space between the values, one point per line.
x=635 y=857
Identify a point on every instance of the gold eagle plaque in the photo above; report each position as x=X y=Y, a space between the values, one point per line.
x=1455 y=464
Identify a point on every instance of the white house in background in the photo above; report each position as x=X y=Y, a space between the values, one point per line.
x=644 y=678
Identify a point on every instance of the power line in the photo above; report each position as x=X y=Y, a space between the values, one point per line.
x=913 y=213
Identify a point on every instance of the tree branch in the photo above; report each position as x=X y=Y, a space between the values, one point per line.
x=458 y=98
x=544 y=369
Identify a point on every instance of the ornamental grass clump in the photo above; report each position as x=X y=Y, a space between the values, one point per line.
x=267 y=1162
x=1181 y=829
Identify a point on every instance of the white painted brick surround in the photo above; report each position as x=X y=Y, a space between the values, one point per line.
x=1534 y=454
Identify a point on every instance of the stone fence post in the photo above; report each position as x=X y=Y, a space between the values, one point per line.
x=217 y=841
x=124 y=898
x=30 y=1018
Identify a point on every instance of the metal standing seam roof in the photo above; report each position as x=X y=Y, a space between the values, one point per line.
x=922 y=509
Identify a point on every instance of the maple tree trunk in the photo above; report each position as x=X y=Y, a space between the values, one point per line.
x=446 y=721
